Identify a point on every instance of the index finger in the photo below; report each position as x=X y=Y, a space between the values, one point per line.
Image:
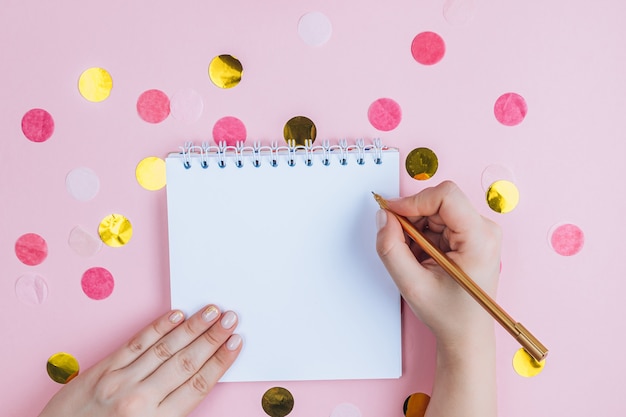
x=445 y=201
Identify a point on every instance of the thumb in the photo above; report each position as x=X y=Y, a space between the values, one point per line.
x=396 y=255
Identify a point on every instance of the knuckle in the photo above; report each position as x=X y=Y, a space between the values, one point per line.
x=222 y=362
x=156 y=329
x=187 y=364
x=189 y=329
x=384 y=247
x=200 y=384
x=212 y=339
x=162 y=351
x=135 y=345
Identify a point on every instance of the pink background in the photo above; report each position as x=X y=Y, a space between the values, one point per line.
x=566 y=58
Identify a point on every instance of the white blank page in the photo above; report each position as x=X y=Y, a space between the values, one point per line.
x=292 y=251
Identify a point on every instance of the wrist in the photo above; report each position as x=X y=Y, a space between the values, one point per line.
x=467 y=345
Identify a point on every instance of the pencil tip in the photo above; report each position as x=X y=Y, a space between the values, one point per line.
x=379 y=200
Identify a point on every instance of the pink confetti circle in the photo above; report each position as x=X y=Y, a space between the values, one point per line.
x=428 y=48
x=97 y=283
x=229 y=130
x=567 y=239
x=31 y=289
x=153 y=106
x=31 y=249
x=384 y=114
x=37 y=125
x=510 y=109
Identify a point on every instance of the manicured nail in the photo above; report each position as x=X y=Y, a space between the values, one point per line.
x=210 y=313
x=176 y=317
x=381 y=219
x=233 y=342
x=229 y=320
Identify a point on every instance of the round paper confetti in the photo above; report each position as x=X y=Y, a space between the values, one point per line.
x=62 y=367
x=421 y=163
x=502 y=196
x=225 y=71
x=415 y=405
x=567 y=239
x=31 y=249
x=82 y=183
x=150 y=173
x=277 y=402
x=315 y=28
x=510 y=109
x=229 y=130
x=115 y=230
x=31 y=289
x=299 y=130
x=495 y=173
x=97 y=283
x=37 y=125
x=95 y=84
x=384 y=114
x=186 y=105
x=83 y=242
x=428 y=48
x=525 y=365
x=458 y=12
x=153 y=106
x=346 y=410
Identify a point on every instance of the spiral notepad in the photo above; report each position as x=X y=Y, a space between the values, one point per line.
x=285 y=236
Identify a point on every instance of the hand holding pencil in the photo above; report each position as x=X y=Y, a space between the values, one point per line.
x=450 y=242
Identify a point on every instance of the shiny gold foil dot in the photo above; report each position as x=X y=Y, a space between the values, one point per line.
x=525 y=365
x=62 y=367
x=502 y=196
x=421 y=163
x=415 y=405
x=115 y=230
x=150 y=173
x=277 y=402
x=95 y=84
x=225 y=71
x=300 y=131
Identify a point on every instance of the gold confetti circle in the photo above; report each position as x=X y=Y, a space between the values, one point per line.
x=95 y=84
x=421 y=163
x=415 y=405
x=225 y=71
x=277 y=402
x=150 y=173
x=300 y=131
x=62 y=367
x=115 y=230
x=502 y=196
x=525 y=365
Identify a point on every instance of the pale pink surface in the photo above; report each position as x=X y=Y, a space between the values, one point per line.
x=566 y=58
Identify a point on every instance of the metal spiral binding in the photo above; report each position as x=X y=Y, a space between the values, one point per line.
x=240 y=155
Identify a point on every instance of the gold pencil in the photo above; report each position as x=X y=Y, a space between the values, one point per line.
x=529 y=342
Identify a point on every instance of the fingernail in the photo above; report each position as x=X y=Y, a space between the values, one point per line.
x=233 y=342
x=381 y=219
x=229 y=320
x=210 y=313
x=176 y=317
